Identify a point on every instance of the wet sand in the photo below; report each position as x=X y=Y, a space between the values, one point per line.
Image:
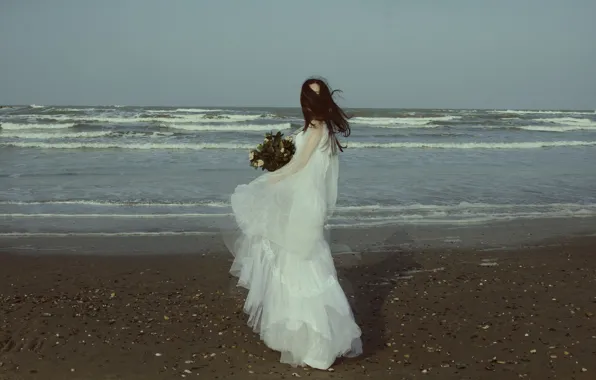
x=449 y=313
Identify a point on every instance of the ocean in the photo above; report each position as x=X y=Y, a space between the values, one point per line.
x=164 y=171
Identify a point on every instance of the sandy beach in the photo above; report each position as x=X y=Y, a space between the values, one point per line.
x=445 y=150
x=457 y=313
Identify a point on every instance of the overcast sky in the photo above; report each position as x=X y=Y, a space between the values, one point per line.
x=381 y=53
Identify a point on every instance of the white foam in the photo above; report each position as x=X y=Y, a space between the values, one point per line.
x=489 y=264
x=403 y=126
x=94 y=119
x=185 y=110
x=198 y=118
x=571 y=121
x=525 y=112
x=461 y=218
x=472 y=145
x=119 y=145
x=357 y=145
x=553 y=128
x=116 y=216
x=75 y=109
x=424 y=220
x=432 y=270
x=463 y=206
x=411 y=121
x=131 y=203
x=231 y=127
x=58 y=135
x=374 y=208
x=209 y=119
x=119 y=120
x=223 y=118
x=197 y=110
x=463 y=213
x=17 y=126
x=103 y=234
x=344 y=216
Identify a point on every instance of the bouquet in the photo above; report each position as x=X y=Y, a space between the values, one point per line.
x=273 y=153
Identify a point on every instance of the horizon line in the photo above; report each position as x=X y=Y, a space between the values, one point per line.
x=297 y=107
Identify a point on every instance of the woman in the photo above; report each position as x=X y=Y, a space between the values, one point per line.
x=294 y=301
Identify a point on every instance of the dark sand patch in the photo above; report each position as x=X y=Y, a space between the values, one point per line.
x=430 y=314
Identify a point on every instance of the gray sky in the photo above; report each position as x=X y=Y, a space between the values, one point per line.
x=381 y=53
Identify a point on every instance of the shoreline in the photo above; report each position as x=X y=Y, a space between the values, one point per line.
x=482 y=236
x=451 y=313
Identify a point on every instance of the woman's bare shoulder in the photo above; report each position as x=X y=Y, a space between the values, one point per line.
x=316 y=129
x=317 y=124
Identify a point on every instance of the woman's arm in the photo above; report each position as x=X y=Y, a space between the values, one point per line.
x=302 y=155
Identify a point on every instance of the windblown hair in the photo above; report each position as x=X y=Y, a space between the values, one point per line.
x=322 y=107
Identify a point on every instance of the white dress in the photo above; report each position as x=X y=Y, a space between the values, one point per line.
x=294 y=301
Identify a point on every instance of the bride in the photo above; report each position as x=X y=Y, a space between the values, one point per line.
x=294 y=300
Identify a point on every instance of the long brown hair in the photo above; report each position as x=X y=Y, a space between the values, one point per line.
x=322 y=107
